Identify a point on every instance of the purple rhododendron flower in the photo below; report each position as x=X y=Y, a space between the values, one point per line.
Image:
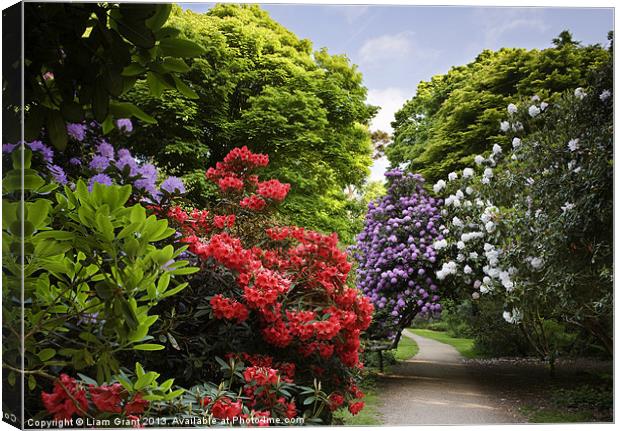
x=147 y=182
x=58 y=174
x=105 y=149
x=127 y=160
x=46 y=152
x=77 y=131
x=99 y=178
x=8 y=148
x=124 y=125
x=173 y=185
x=124 y=152
x=99 y=163
x=75 y=161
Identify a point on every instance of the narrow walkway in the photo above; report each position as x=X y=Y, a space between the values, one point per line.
x=435 y=388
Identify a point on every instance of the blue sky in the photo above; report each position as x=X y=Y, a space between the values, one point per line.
x=396 y=47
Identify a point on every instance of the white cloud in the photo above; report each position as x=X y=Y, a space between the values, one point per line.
x=378 y=168
x=386 y=47
x=496 y=22
x=390 y=100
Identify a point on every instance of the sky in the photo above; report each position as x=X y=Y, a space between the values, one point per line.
x=396 y=47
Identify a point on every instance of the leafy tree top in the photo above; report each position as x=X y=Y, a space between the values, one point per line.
x=454 y=116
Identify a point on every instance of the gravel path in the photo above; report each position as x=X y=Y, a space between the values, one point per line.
x=436 y=387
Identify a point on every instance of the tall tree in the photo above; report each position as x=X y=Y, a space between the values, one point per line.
x=457 y=115
x=261 y=86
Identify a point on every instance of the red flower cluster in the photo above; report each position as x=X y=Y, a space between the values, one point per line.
x=225 y=408
x=224 y=308
x=60 y=402
x=234 y=175
x=106 y=399
x=294 y=284
x=273 y=189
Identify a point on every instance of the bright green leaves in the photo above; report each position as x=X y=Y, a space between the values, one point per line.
x=180 y=48
x=94 y=267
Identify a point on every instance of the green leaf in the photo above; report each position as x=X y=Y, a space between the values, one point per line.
x=46 y=354
x=113 y=82
x=184 y=89
x=126 y=110
x=157 y=84
x=180 y=48
x=162 y=13
x=57 y=130
x=145 y=380
x=134 y=69
x=148 y=347
x=108 y=125
x=172 y=64
x=32 y=383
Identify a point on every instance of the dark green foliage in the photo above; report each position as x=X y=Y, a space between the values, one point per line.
x=79 y=58
x=261 y=86
x=456 y=115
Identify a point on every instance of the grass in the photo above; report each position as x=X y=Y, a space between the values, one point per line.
x=407 y=348
x=550 y=415
x=465 y=346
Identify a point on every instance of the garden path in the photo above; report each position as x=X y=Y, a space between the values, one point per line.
x=436 y=387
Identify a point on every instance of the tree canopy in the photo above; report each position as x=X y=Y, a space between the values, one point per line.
x=454 y=116
x=259 y=85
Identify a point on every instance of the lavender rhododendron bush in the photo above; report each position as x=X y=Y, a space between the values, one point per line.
x=532 y=224
x=396 y=255
x=141 y=307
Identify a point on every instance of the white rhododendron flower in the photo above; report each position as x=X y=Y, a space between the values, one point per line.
x=479 y=159
x=457 y=222
x=446 y=269
x=475 y=295
x=468 y=172
x=536 y=262
x=606 y=94
x=504 y=126
x=489 y=226
x=469 y=190
x=438 y=245
x=573 y=144
x=467 y=269
x=477 y=284
x=580 y=93
x=452 y=176
x=512 y=108
x=543 y=106
x=513 y=316
x=468 y=236
x=460 y=245
x=488 y=173
x=473 y=255
x=533 y=111
x=535 y=98
x=439 y=185
x=516 y=143
x=497 y=149
x=459 y=194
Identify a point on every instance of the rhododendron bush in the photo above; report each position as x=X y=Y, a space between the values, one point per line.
x=396 y=255
x=266 y=329
x=532 y=224
x=263 y=289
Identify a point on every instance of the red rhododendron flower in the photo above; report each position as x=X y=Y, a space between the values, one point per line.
x=224 y=308
x=254 y=203
x=137 y=405
x=225 y=408
x=60 y=401
x=273 y=189
x=107 y=398
x=355 y=408
x=261 y=375
x=335 y=401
